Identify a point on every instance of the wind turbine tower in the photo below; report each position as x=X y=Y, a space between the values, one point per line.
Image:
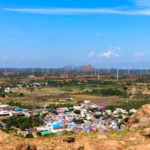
x=140 y=72
x=117 y=74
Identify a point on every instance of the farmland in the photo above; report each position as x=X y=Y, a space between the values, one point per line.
x=55 y=87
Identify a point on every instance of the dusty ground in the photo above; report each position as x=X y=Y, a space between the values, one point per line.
x=123 y=140
x=27 y=100
x=101 y=100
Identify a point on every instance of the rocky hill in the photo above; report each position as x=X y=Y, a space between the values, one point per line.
x=87 y=68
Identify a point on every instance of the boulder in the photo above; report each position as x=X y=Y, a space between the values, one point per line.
x=141 y=118
x=144 y=122
x=69 y=139
x=146 y=132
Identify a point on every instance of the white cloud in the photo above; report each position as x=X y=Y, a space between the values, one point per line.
x=91 y=54
x=108 y=54
x=78 y=11
x=105 y=54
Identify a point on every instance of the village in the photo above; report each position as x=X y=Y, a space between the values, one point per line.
x=74 y=75
x=57 y=120
x=35 y=108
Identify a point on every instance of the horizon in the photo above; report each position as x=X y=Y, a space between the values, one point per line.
x=54 y=34
x=74 y=68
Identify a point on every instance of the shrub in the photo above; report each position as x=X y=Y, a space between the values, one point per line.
x=29 y=135
x=77 y=111
x=21 y=94
x=78 y=121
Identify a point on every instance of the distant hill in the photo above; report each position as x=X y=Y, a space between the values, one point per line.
x=87 y=68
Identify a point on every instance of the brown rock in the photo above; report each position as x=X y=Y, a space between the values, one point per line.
x=146 y=109
x=141 y=117
x=146 y=132
x=69 y=139
x=80 y=148
x=144 y=122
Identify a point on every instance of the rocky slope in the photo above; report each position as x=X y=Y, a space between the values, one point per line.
x=123 y=140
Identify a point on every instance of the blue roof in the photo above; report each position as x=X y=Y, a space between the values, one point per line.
x=56 y=126
x=18 y=110
x=48 y=109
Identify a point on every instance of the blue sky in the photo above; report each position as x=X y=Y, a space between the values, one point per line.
x=56 y=33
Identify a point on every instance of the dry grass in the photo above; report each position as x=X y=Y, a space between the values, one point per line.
x=99 y=99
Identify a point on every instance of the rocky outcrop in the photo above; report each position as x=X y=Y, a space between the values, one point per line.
x=141 y=118
x=146 y=132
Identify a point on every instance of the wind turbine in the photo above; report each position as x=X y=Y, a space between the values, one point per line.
x=140 y=72
x=128 y=71
x=117 y=74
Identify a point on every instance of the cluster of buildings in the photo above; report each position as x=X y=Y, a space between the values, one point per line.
x=9 y=111
x=84 y=118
